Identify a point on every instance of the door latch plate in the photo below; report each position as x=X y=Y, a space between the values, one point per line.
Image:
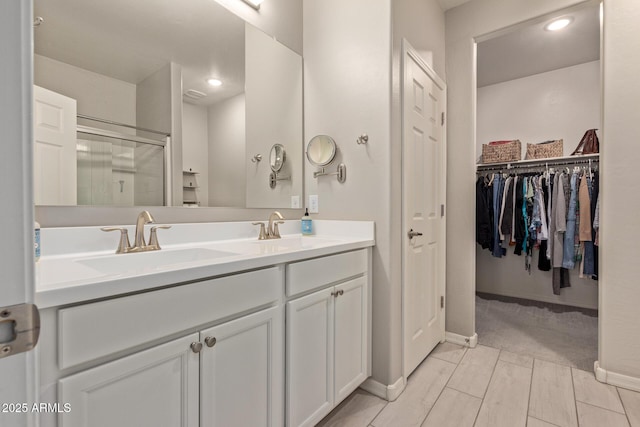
x=24 y=322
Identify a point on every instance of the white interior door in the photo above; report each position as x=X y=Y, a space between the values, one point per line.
x=17 y=372
x=424 y=152
x=55 y=159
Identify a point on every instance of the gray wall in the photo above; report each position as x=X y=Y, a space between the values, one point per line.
x=352 y=87
x=97 y=95
x=227 y=153
x=619 y=290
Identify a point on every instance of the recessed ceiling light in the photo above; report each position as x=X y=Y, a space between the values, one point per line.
x=253 y=3
x=214 y=82
x=558 y=24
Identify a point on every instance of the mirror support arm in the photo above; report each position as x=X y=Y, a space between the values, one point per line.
x=341 y=173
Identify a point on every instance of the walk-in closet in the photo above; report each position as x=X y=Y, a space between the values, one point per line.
x=537 y=212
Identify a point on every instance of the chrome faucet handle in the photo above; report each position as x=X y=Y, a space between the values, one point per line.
x=153 y=237
x=123 y=245
x=263 y=234
x=276 y=231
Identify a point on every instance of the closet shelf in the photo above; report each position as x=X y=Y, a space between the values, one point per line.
x=535 y=162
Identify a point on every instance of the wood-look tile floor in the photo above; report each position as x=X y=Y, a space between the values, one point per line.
x=484 y=386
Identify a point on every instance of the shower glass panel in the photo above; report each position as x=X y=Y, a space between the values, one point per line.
x=119 y=170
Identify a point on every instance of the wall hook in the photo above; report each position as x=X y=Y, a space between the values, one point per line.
x=362 y=139
x=256 y=158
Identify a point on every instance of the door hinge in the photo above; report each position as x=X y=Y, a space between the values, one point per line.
x=442 y=119
x=441 y=302
x=19 y=329
x=441 y=211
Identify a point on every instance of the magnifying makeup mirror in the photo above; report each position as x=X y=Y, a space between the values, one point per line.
x=277 y=157
x=321 y=151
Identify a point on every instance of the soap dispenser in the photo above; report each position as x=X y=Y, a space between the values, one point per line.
x=307 y=224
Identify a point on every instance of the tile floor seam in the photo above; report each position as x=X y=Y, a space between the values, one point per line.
x=608 y=410
x=463 y=392
x=533 y=364
x=602 y=407
x=434 y=404
x=382 y=409
x=543 y=421
x=493 y=372
x=575 y=404
x=624 y=408
x=514 y=364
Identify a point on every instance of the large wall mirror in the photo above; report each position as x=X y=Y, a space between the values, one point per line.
x=148 y=103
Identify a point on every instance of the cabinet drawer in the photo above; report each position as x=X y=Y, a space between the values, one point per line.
x=307 y=275
x=96 y=330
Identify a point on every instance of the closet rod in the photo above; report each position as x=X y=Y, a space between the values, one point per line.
x=539 y=163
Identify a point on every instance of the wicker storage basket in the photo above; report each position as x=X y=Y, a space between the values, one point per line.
x=502 y=151
x=545 y=150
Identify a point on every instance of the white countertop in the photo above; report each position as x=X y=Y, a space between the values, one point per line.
x=76 y=265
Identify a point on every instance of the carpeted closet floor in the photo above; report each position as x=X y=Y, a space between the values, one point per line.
x=560 y=334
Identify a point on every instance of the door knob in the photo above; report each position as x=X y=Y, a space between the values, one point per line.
x=196 y=347
x=413 y=234
x=210 y=341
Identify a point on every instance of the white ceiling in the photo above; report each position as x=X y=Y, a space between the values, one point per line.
x=532 y=50
x=131 y=39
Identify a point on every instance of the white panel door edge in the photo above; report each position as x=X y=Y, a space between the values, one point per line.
x=18 y=383
x=423 y=217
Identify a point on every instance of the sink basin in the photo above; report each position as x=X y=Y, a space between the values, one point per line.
x=146 y=261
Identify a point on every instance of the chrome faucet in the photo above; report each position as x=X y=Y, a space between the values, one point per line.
x=272 y=228
x=139 y=244
x=144 y=217
x=271 y=231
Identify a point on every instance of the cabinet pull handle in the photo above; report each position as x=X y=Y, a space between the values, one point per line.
x=210 y=341
x=337 y=293
x=341 y=292
x=196 y=347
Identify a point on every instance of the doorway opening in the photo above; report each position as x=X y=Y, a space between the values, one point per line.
x=536 y=85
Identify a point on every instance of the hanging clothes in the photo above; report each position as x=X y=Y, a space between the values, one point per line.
x=568 y=260
x=507 y=209
x=484 y=233
x=595 y=192
x=498 y=190
x=560 y=277
x=549 y=212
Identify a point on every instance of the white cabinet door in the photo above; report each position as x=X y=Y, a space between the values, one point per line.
x=55 y=160
x=154 y=388
x=351 y=337
x=310 y=358
x=241 y=372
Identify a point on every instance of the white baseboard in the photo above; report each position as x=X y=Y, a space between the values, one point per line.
x=471 y=341
x=386 y=392
x=613 y=378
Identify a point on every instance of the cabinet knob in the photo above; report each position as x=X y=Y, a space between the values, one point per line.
x=196 y=347
x=210 y=341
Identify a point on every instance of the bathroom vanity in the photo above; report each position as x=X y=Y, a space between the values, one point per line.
x=216 y=329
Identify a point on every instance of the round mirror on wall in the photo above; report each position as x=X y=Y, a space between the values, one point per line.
x=321 y=150
x=277 y=157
